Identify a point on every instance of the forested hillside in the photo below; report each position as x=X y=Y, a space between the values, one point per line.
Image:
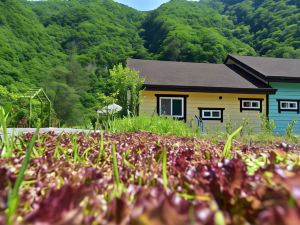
x=101 y=32
x=26 y=50
x=271 y=27
x=95 y=35
x=191 y=31
x=67 y=47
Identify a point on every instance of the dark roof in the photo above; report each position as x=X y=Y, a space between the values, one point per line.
x=168 y=75
x=272 y=68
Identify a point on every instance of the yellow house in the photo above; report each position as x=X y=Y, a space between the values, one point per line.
x=209 y=94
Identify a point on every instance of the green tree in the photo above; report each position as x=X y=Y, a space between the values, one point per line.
x=67 y=105
x=127 y=84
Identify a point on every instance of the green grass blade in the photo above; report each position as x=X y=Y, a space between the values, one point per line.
x=115 y=167
x=164 y=167
x=7 y=149
x=12 y=139
x=13 y=198
x=226 y=151
x=101 y=147
x=219 y=218
x=75 y=149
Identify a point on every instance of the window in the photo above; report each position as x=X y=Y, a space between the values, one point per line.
x=211 y=113
x=247 y=104
x=250 y=104
x=172 y=105
x=288 y=105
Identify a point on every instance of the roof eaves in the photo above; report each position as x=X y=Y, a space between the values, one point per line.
x=209 y=89
x=283 y=79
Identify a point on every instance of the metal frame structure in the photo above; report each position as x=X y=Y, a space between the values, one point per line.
x=40 y=94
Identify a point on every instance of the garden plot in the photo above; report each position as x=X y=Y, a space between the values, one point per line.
x=144 y=178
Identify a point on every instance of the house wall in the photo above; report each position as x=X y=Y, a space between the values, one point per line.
x=195 y=100
x=284 y=91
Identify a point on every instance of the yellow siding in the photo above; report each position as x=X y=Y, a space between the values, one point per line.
x=195 y=100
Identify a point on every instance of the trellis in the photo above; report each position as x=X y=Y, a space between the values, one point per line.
x=39 y=94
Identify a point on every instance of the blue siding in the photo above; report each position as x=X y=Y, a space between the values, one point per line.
x=285 y=91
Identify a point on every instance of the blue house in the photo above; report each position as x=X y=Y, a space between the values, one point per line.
x=281 y=74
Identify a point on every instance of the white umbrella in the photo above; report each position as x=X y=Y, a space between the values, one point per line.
x=110 y=109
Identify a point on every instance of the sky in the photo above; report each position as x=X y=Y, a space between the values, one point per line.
x=145 y=5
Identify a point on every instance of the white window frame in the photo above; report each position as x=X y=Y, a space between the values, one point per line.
x=211 y=114
x=251 y=104
x=172 y=98
x=288 y=102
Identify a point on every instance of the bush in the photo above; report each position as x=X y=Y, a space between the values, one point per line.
x=267 y=126
x=289 y=132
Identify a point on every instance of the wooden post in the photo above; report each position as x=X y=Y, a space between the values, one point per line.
x=30 y=112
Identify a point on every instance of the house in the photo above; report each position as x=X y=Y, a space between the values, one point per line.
x=215 y=93
x=281 y=74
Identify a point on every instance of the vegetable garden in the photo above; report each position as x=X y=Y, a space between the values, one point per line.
x=146 y=178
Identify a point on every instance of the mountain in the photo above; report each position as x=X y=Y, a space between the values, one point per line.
x=66 y=47
x=26 y=50
x=95 y=34
x=191 y=31
x=271 y=27
x=103 y=32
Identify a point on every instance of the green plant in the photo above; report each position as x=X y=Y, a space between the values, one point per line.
x=194 y=126
x=290 y=130
x=155 y=124
x=164 y=167
x=101 y=147
x=125 y=161
x=229 y=126
x=267 y=126
x=254 y=163
x=13 y=197
x=7 y=147
x=247 y=128
x=208 y=130
x=226 y=151
x=127 y=85
x=75 y=148
x=219 y=218
x=115 y=169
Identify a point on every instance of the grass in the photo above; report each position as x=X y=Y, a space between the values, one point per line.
x=169 y=126
x=75 y=148
x=101 y=147
x=154 y=124
x=226 y=152
x=7 y=147
x=164 y=167
x=13 y=197
x=117 y=182
x=219 y=218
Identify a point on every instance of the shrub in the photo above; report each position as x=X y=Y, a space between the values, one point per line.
x=267 y=126
x=290 y=130
x=247 y=128
x=230 y=126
